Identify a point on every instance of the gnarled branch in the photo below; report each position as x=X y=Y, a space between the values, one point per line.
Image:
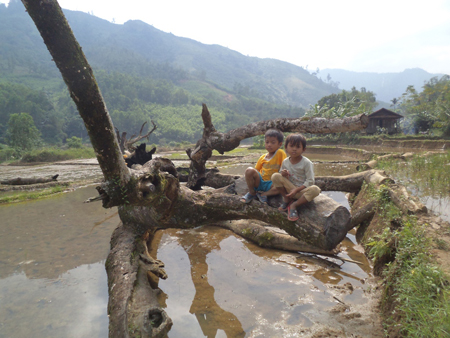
x=222 y=142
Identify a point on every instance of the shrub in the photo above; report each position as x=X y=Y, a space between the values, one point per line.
x=74 y=142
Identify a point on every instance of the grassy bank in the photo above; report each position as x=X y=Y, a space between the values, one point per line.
x=56 y=154
x=416 y=300
x=31 y=195
x=48 y=154
x=357 y=138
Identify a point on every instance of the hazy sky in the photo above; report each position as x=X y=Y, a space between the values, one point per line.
x=375 y=36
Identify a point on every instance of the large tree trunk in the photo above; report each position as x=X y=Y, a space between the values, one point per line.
x=79 y=78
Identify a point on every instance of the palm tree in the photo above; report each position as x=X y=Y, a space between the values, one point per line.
x=394 y=102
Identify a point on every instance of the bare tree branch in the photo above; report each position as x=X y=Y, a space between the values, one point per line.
x=80 y=80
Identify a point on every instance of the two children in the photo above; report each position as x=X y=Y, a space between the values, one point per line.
x=294 y=179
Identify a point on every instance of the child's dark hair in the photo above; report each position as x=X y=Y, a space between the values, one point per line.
x=295 y=140
x=274 y=133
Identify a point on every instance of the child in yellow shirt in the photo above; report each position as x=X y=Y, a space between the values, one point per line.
x=259 y=178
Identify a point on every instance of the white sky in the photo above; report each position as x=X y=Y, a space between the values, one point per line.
x=373 y=36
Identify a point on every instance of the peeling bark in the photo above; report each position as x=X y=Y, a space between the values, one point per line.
x=406 y=203
x=378 y=177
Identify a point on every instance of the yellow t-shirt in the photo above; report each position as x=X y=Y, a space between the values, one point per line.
x=269 y=167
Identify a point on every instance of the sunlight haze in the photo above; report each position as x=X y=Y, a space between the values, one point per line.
x=386 y=36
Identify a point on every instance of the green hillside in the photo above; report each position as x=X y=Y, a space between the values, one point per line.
x=145 y=74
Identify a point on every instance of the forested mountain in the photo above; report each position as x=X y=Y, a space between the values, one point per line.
x=386 y=86
x=139 y=48
x=145 y=74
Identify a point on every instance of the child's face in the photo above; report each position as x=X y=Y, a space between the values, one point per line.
x=272 y=144
x=295 y=151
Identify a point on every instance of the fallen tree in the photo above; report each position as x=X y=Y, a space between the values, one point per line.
x=151 y=197
x=29 y=180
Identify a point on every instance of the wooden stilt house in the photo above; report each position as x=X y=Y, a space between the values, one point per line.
x=384 y=118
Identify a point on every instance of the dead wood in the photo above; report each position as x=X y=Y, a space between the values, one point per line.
x=378 y=177
x=83 y=89
x=347 y=183
x=404 y=201
x=364 y=213
x=368 y=165
x=133 y=306
x=139 y=156
x=29 y=180
x=222 y=142
x=127 y=144
x=268 y=236
x=323 y=223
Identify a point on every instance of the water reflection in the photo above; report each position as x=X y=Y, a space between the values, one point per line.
x=234 y=288
x=52 y=276
x=72 y=305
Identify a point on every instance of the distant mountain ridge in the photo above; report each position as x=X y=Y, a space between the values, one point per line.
x=141 y=49
x=386 y=86
x=130 y=47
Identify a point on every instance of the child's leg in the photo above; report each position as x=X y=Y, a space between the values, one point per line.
x=281 y=184
x=252 y=178
x=306 y=195
x=271 y=192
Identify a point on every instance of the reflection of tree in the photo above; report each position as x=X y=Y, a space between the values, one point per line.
x=329 y=271
x=210 y=315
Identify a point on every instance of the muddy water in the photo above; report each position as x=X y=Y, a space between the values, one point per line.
x=53 y=282
x=52 y=276
x=220 y=285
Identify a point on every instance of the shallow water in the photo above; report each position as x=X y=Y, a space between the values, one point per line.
x=53 y=281
x=220 y=285
x=52 y=276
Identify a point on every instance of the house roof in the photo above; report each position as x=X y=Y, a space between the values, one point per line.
x=384 y=113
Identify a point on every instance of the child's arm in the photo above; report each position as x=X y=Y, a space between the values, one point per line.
x=309 y=172
x=259 y=164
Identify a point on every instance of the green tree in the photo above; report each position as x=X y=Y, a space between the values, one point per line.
x=429 y=109
x=345 y=103
x=22 y=134
x=74 y=142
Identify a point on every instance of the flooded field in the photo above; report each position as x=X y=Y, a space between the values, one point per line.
x=220 y=285
x=52 y=276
